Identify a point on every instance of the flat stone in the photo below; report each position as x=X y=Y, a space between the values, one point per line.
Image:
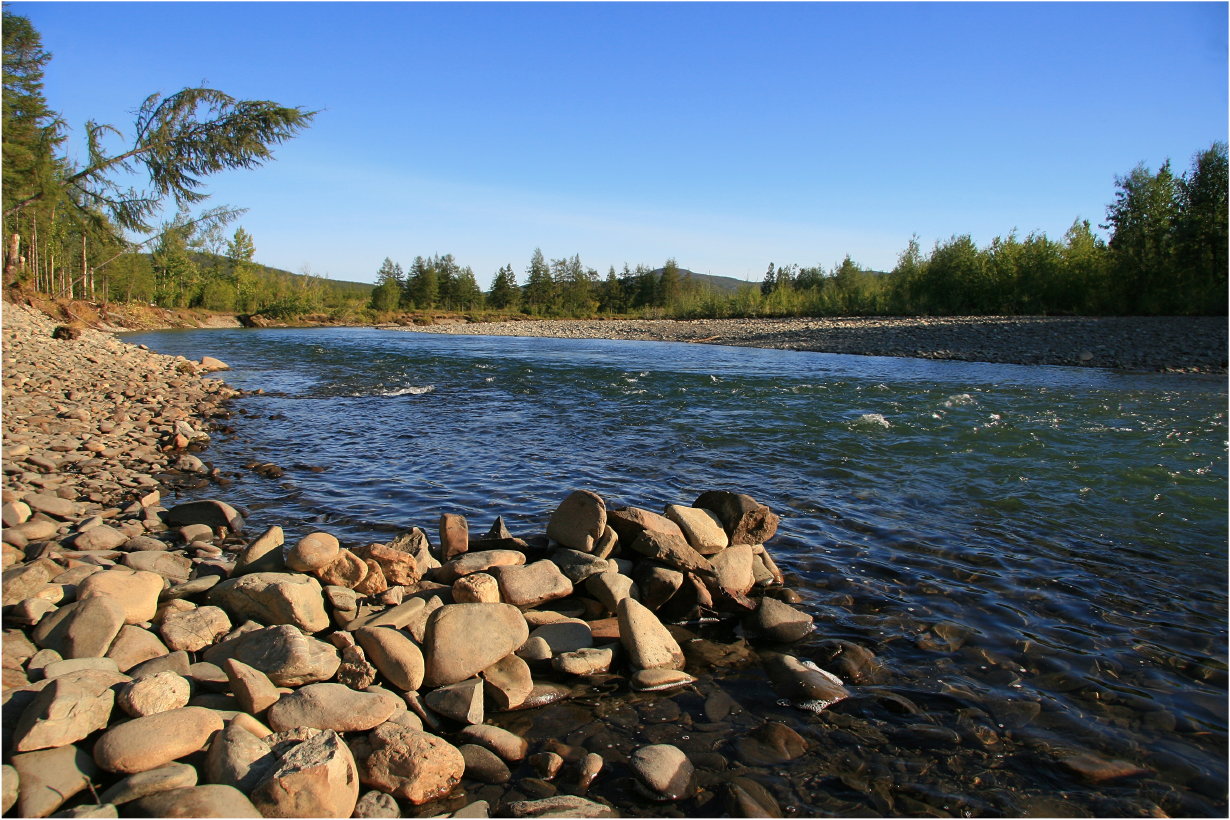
x=508 y=682
x=149 y=742
x=802 y=682
x=211 y=512
x=69 y=666
x=734 y=569
x=160 y=692
x=190 y=588
x=484 y=765
x=84 y=629
x=478 y=561
x=463 y=639
x=50 y=777
x=660 y=680
x=194 y=629
x=561 y=805
x=391 y=651
x=52 y=505
x=329 y=706
x=775 y=620
x=770 y=745
x=143 y=784
x=65 y=711
x=274 y=598
x=135 y=590
x=502 y=742
x=702 y=528
x=101 y=537
x=578 y=521
x=264 y=554
x=577 y=566
x=400 y=616
x=24 y=582
x=462 y=701
x=198 y=801
x=584 y=661
x=609 y=588
x=134 y=645
x=172 y=566
x=531 y=585
x=632 y=522
x=1098 y=769
x=672 y=550
x=176 y=662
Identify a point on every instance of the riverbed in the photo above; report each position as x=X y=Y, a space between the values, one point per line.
x=1035 y=556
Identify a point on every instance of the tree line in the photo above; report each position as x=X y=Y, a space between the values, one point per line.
x=1167 y=254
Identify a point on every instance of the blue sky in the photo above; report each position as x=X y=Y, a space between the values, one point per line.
x=725 y=135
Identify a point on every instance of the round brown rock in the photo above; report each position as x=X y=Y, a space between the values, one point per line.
x=415 y=766
x=664 y=770
x=314 y=551
x=160 y=692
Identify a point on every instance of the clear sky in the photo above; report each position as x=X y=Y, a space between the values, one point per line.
x=725 y=135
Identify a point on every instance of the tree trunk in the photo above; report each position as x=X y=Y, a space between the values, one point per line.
x=87 y=281
x=12 y=258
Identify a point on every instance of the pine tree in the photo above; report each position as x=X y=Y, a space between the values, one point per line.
x=504 y=294
x=539 y=286
x=423 y=287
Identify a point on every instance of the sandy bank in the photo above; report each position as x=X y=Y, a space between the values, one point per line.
x=1173 y=344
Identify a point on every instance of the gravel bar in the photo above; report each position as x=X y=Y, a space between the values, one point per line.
x=1150 y=343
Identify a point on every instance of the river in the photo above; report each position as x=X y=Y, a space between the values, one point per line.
x=1035 y=555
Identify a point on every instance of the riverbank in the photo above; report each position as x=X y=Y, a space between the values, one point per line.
x=1167 y=344
x=161 y=660
x=940 y=689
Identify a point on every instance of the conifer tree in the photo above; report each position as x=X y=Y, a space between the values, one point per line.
x=504 y=294
x=540 y=285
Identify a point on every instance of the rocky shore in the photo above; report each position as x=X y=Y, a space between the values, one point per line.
x=163 y=659
x=1170 y=344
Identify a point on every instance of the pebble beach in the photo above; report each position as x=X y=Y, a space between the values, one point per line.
x=164 y=657
x=161 y=658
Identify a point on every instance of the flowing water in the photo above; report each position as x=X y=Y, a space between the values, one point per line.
x=1035 y=555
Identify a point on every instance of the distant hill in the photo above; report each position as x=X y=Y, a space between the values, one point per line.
x=724 y=284
x=339 y=286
